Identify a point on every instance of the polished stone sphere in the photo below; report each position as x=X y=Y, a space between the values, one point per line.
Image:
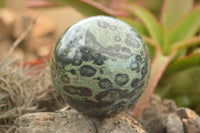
x=100 y=65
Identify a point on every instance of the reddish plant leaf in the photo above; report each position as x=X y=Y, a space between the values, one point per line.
x=159 y=64
x=116 y=4
x=91 y=8
x=174 y=10
x=40 y=3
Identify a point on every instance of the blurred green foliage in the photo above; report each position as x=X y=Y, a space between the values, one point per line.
x=2 y=3
x=183 y=87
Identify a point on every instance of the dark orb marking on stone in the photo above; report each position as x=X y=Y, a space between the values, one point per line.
x=89 y=54
x=117 y=38
x=110 y=95
x=98 y=78
x=77 y=90
x=99 y=60
x=138 y=58
x=135 y=66
x=73 y=71
x=103 y=24
x=130 y=41
x=101 y=71
x=135 y=91
x=120 y=106
x=87 y=106
x=77 y=62
x=86 y=57
x=118 y=51
x=114 y=51
x=86 y=54
x=59 y=67
x=64 y=61
x=126 y=52
x=135 y=82
x=105 y=83
x=65 y=79
x=144 y=70
x=121 y=79
x=112 y=27
x=87 y=71
x=94 y=54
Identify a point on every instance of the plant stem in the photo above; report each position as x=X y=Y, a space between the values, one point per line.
x=159 y=64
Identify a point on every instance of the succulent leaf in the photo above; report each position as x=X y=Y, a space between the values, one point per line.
x=150 y=22
x=192 y=41
x=184 y=63
x=172 y=11
x=185 y=28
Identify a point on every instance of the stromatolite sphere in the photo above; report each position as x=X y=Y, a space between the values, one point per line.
x=101 y=66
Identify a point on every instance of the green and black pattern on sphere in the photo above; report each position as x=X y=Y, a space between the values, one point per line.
x=101 y=65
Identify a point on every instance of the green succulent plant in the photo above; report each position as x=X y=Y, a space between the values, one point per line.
x=172 y=38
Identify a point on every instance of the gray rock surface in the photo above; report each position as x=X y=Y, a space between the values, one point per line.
x=162 y=116
x=70 y=121
x=190 y=119
x=155 y=115
x=174 y=124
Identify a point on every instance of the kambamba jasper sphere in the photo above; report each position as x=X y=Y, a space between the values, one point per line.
x=101 y=66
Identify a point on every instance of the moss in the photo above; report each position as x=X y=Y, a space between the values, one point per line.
x=23 y=90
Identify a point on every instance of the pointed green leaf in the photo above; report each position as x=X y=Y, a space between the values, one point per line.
x=184 y=63
x=140 y=28
x=150 y=22
x=186 y=28
x=174 y=10
x=192 y=41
